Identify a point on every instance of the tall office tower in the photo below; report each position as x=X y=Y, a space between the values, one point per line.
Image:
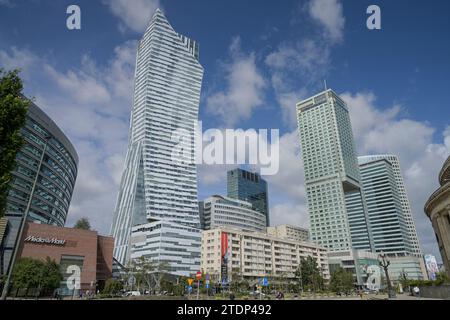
x=336 y=205
x=49 y=158
x=406 y=207
x=250 y=187
x=386 y=218
x=159 y=183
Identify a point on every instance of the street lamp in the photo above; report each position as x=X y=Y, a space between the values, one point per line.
x=22 y=224
x=384 y=263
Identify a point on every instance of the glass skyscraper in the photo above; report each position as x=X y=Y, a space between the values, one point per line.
x=250 y=187
x=158 y=187
x=406 y=207
x=386 y=217
x=55 y=179
x=336 y=204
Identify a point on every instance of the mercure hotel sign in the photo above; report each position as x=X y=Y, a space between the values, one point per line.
x=49 y=241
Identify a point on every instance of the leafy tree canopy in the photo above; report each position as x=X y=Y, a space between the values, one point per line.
x=341 y=281
x=32 y=273
x=13 y=112
x=83 y=224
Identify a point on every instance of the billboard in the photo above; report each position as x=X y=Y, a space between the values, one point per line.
x=224 y=257
x=432 y=266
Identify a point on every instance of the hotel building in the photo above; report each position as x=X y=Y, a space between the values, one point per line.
x=336 y=205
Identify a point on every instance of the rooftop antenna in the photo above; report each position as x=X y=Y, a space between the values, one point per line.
x=325 y=84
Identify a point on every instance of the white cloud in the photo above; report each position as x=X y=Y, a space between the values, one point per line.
x=133 y=14
x=329 y=14
x=296 y=67
x=80 y=85
x=245 y=88
x=287 y=213
x=18 y=59
x=92 y=108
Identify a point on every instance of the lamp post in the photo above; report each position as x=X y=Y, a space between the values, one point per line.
x=384 y=263
x=22 y=224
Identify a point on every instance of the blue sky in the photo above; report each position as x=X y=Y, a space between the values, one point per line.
x=393 y=80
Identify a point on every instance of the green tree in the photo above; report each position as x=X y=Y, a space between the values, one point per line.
x=26 y=273
x=13 y=112
x=112 y=287
x=309 y=275
x=441 y=278
x=341 y=281
x=51 y=276
x=30 y=273
x=83 y=224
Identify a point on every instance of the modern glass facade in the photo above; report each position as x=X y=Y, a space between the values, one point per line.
x=336 y=205
x=226 y=212
x=158 y=185
x=250 y=187
x=406 y=207
x=177 y=244
x=55 y=183
x=387 y=220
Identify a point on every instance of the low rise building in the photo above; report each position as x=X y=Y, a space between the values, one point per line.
x=71 y=249
x=366 y=270
x=254 y=255
x=291 y=232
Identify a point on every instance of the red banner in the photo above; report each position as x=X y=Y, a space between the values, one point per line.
x=224 y=244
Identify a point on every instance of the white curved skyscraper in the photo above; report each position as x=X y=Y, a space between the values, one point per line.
x=156 y=192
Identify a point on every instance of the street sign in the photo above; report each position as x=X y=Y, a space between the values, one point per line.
x=198 y=276
x=190 y=289
x=190 y=281
x=207 y=277
x=207 y=285
x=131 y=280
x=265 y=282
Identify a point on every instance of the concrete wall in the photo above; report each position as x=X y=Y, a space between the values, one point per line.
x=441 y=292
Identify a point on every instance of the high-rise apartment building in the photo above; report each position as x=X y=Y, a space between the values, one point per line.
x=250 y=187
x=406 y=207
x=159 y=184
x=386 y=217
x=336 y=205
x=218 y=211
x=49 y=158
